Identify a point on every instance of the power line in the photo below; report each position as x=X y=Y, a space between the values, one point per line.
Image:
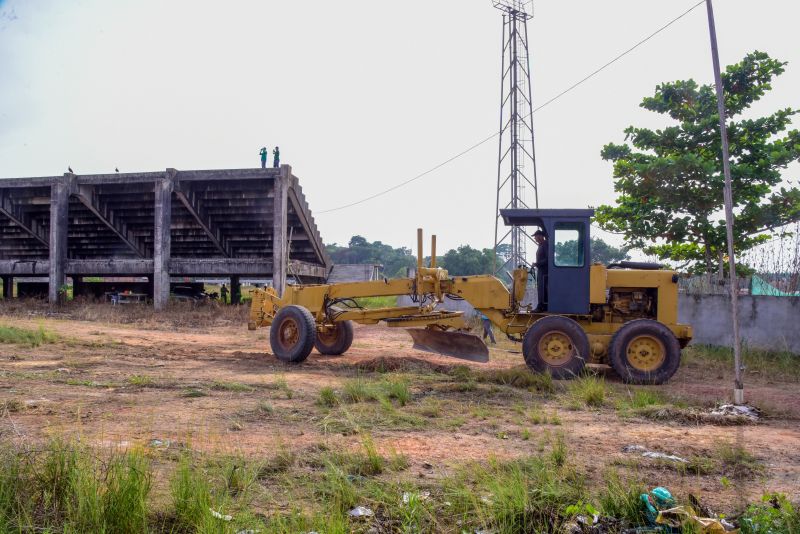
x=548 y=102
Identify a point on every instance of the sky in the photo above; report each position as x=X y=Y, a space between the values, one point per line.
x=359 y=94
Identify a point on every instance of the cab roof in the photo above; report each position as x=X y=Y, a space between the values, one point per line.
x=529 y=217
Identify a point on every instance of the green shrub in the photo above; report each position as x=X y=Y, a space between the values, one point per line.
x=775 y=515
x=26 y=336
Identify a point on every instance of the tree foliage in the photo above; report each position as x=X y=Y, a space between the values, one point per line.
x=462 y=261
x=670 y=181
x=602 y=252
x=466 y=261
x=395 y=261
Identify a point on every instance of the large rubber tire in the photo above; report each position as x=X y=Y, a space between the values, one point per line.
x=644 y=351
x=337 y=341
x=292 y=334
x=556 y=345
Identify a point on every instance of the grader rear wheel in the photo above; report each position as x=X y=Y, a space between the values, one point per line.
x=557 y=345
x=335 y=341
x=292 y=334
x=644 y=352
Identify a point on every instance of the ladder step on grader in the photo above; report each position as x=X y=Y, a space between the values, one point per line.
x=623 y=315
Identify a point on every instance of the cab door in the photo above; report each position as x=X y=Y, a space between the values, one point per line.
x=568 y=267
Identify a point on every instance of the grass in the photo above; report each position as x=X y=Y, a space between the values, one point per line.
x=68 y=487
x=769 y=364
x=236 y=387
x=363 y=390
x=327 y=397
x=141 y=381
x=736 y=462
x=193 y=393
x=281 y=385
x=26 y=336
x=376 y=302
x=517 y=377
x=65 y=487
x=588 y=390
x=620 y=499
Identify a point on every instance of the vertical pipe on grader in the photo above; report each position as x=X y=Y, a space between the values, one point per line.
x=419 y=249
x=433 y=251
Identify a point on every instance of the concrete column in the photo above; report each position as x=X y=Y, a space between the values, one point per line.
x=161 y=239
x=8 y=287
x=280 y=254
x=59 y=221
x=236 y=290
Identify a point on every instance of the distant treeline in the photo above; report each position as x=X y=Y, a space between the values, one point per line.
x=461 y=261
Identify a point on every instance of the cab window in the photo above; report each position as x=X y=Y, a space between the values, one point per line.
x=569 y=245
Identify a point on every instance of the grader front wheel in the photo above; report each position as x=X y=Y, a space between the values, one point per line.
x=292 y=334
x=644 y=352
x=336 y=340
x=557 y=345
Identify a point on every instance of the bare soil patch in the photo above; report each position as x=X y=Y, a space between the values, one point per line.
x=203 y=381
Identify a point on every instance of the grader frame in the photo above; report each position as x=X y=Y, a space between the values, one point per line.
x=642 y=348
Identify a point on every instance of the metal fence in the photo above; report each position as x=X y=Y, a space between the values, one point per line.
x=776 y=266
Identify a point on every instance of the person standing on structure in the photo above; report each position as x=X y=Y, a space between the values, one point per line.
x=263 y=153
x=276 y=157
x=541 y=270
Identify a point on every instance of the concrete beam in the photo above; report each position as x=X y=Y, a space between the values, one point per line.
x=161 y=239
x=220 y=266
x=11 y=211
x=87 y=195
x=280 y=252
x=310 y=270
x=111 y=267
x=59 y=221
x=25 y=267
x=190 y=201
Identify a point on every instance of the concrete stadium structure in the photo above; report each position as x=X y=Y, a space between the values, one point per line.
x=221 y=223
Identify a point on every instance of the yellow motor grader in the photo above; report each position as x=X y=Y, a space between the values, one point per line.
x=624 y=315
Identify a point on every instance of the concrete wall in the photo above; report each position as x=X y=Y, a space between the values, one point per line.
x=765 y=322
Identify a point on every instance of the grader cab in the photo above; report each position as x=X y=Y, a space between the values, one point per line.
x=623 y=315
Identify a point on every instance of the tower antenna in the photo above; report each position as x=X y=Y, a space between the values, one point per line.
x=516 y=156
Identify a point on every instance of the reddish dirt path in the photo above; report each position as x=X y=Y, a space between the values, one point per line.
x=82 y=386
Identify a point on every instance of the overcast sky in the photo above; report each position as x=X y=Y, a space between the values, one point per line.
x=360 y=95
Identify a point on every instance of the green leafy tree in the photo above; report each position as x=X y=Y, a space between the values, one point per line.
x=395 y=261
x=466 y=261
x=670 y=182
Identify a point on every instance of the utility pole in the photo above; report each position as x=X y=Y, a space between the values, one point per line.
x=738 y=386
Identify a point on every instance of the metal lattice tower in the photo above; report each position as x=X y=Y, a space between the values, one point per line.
x=516 y=160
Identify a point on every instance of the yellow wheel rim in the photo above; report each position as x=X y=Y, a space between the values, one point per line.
x=328 y=336
x=646 y=353
x=556 y=348
x=288 y=333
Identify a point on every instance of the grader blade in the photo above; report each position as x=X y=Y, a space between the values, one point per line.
x=455 y=344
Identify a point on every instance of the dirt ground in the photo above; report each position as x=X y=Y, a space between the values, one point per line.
x=117 y=385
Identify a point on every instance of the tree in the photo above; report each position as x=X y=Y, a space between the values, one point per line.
x=602 y=252
x=670 y=182
x=395 y=261
x=466 y=261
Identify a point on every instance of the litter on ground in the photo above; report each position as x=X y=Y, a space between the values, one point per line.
x=654 y=454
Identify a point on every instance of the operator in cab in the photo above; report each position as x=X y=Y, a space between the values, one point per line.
x=540 y=238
